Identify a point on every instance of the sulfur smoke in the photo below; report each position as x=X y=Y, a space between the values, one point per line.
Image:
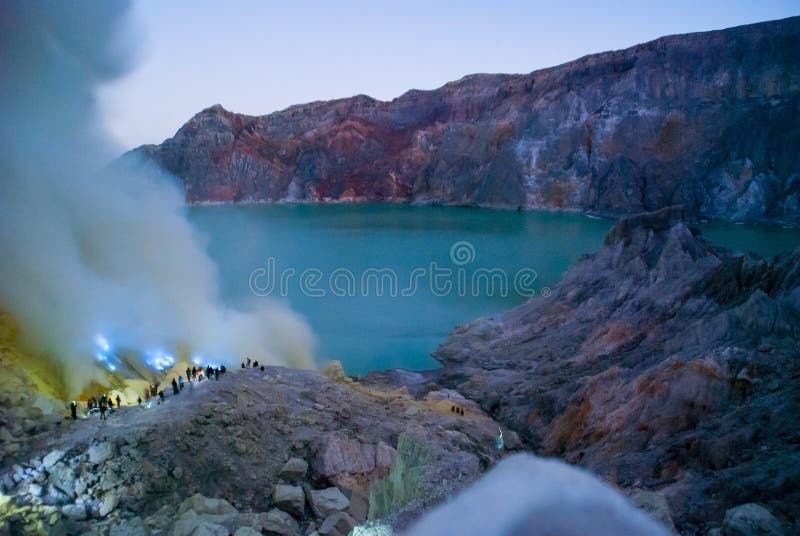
x=89 y=249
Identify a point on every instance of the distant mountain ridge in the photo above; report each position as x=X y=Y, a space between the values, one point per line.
x=707 y=120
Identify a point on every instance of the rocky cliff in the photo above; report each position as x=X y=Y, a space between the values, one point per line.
x=661 y=362
x=707 y=120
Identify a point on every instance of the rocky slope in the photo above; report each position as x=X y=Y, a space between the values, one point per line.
x=662 y=362
x=707 y=120
x=279 y=452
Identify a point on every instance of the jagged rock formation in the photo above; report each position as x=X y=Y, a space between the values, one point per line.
x=282 y=451
x=707 y=120
x=662 y=362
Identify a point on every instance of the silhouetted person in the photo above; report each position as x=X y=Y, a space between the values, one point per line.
x=160 y=396
x=119 y=402
x=255 y=364
x=180 y=382
x=73 y=409
x=175 y=389
x=222 y=369
x=242 y=364
x=262 y=368
x=194 y=373
x=248 y=362
x=103 y=408
x=188 y=374
x=139 y=400
x=216 y=374
x=110 y=403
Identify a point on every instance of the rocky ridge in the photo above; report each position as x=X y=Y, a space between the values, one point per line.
x=663 y=363
x=708 y=120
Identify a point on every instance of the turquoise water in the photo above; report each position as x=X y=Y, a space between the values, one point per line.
x=339 y=247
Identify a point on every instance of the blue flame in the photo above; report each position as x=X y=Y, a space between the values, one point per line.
x=159 y=360
x=102 y=342
x=104 y=355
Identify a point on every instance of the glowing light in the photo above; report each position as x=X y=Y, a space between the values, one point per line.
x=160 y=360
x=102 y=342
x=197 y=360
x=104 y=354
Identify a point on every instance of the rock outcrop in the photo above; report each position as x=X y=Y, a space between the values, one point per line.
x=707 y=120
x=662 y=363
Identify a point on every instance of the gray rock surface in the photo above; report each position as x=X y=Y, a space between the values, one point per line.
x=100 y=452
x=279 y=523
x=337 y=524
x=52 y=458
x=290 y=499
x=74 y=511
x=751 y=520
x=327 y=501
x=708 y=120
x=294 y=469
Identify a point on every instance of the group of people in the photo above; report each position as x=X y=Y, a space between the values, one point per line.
x=251 y=364
x=105 y=403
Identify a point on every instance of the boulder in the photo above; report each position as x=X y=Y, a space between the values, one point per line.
x=110 y=501
x=750 y=520
x=294 y=469
x=338 y=524
x=52 y=458
x=55 y=496
x=204 y=505
x=74 y=511
x=100 y=452
x=279 y=523
x=327 y=501
x=289 y=499
x=63 y=477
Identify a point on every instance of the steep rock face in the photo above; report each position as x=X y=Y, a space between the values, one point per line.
x=707 y=120
x=661 y=362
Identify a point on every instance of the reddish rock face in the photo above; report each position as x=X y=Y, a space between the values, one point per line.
x=708 y=120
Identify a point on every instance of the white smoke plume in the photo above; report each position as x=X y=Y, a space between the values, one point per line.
x=87 y=249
